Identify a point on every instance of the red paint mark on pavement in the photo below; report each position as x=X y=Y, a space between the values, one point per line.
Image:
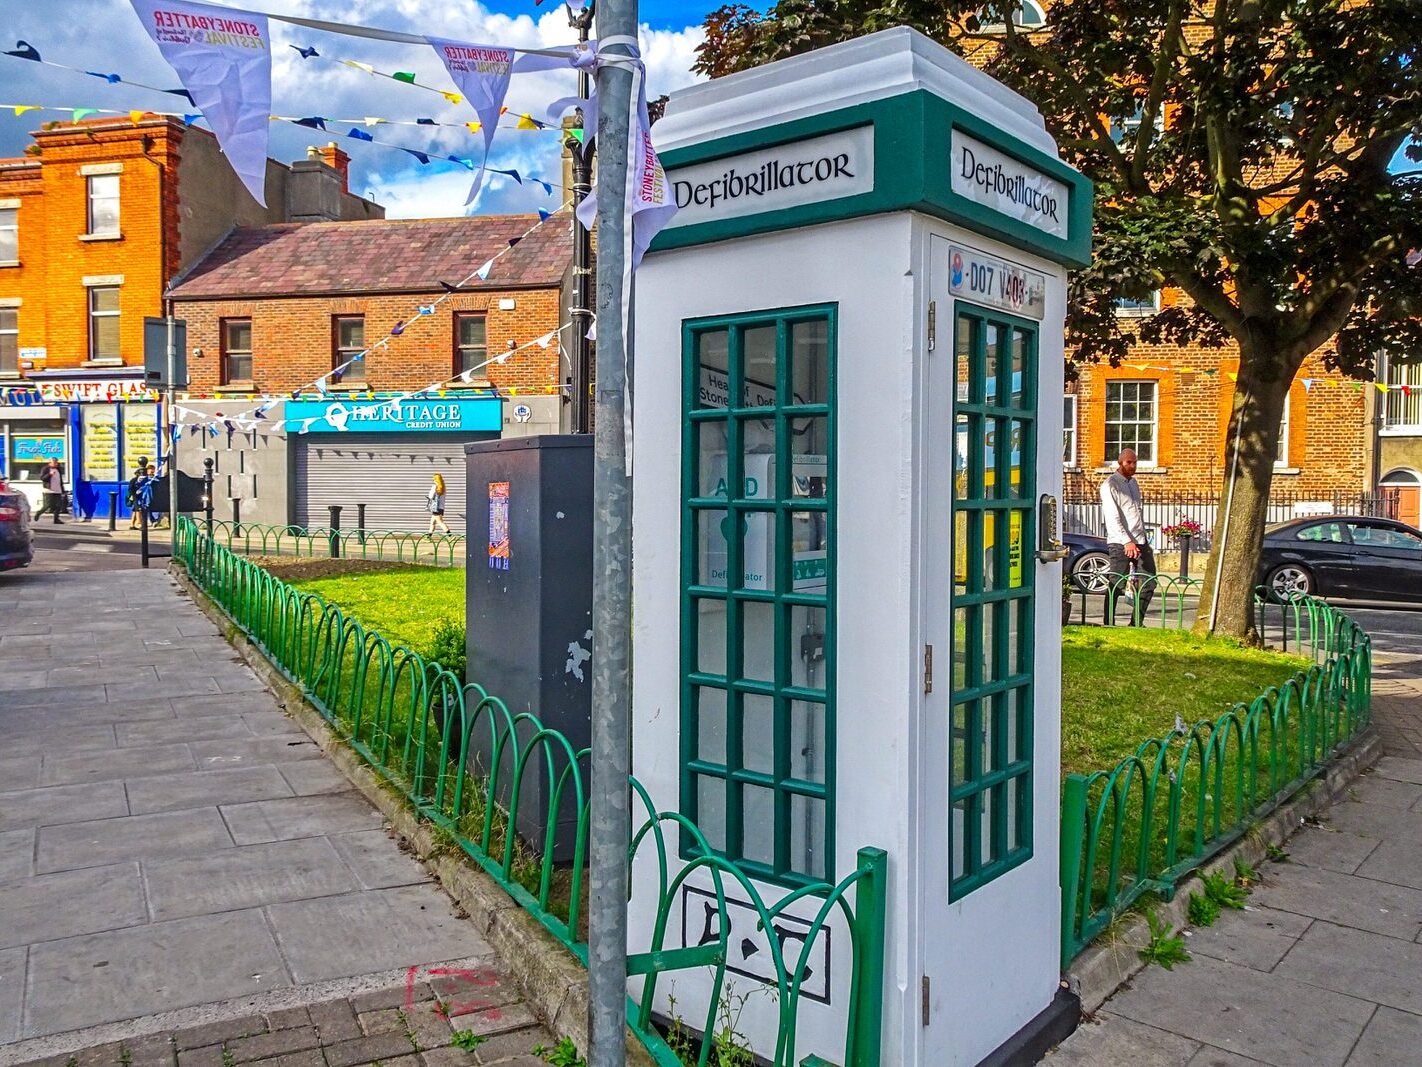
x=448 y=992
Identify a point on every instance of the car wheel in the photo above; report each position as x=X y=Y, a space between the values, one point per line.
x=1091 y=571
x=1289 y=580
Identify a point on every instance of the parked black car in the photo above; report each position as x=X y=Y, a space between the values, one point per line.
x=15 y=547
x=1348 y=556
x=1087 y=562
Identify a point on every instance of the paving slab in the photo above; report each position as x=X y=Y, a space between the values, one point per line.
x=1257 y=937
x=1397 y=862
x=61 y=804
x=17 y=854
x=1346 y=899
x=121 y=763
x=313 y=777
x=179 y=687
x=1393 y=1037
x=1268 y=1017
x=173 y=730
x=279 y=820
x=139 y=676
x=223 y=704
x=1402 y=770
x=19 y=772
x=1374 y=820
x=12 y=991
x=253 y=751
x=1385 y=970
x=369 y=856
x=59 y=740
x=169 y=833
x=202 y=789
x=246 y=877
x=50 y=906
x=1113 y=1039
x=61 y=696
x=1209 y=1056
x=1329 y=848
x=372 y=931
x=1387 y=792
x=270 y=724
x=100 y=978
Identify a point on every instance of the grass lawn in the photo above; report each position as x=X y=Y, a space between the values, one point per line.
x=403 y=603
x=1121 y=685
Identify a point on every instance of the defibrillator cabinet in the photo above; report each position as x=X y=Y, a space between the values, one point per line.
x=846 y=616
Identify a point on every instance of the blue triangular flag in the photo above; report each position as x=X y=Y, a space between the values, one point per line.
x=426 y=122
x=112 y=79
x=397 y=329
x=544 y=216
x=467 y=163
x=315 y=122
x=25 y=50
x=421 y=156
x=305 y=53
x=547 y=187
x=179 y=92
x=188 y=120
x=360 y=135
x=511 y=173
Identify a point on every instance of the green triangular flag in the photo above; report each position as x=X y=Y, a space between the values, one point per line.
x=403 y=76
x=578 y=132
x=1210 y=371
x=81 y=112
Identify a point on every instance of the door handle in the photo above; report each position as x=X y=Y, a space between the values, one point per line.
x=1049 y=544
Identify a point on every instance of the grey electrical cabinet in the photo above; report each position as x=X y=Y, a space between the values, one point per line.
x=529 y=607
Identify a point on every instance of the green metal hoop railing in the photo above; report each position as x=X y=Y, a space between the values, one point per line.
x=393 y=546
x=1181 y=799
x=460 y=757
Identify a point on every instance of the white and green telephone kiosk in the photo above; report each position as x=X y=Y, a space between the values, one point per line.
x=847 y=450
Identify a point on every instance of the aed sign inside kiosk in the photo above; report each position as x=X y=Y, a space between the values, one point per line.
x=836 y=496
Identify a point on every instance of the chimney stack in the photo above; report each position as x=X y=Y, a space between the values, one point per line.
x=333 y=157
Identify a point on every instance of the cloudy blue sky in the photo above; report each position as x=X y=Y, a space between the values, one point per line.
x=105 y=36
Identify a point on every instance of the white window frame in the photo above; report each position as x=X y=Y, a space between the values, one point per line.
x=92 y=196
x=1135 y=309
x=1020 y=18
x=1402 y=414
x=1069 y=425
x=1281 y=460
x=1154 y=423
x=10 y=223
x=12 y=368
x=91 y=294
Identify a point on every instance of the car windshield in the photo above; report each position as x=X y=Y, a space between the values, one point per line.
x=1323 y=531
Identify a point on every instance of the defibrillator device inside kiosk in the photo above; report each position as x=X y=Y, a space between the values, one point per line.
x=847 y=451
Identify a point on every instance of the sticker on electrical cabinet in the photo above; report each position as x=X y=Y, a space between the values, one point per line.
x=499 y=526
x=996 y=283
x=748 y=944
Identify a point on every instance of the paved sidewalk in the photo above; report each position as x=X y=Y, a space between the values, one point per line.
x=174 y=851
x=1325 y=966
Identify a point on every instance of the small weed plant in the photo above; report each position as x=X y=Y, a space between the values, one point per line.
x=1224 y=892
x=1203 y=910
x=467 y=1040
x=1163 y=948
x=1245 y=876
x=1276 y=853
x=563 y=1054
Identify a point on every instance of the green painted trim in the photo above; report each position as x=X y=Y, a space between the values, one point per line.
x=781 y=502
x=910 y=130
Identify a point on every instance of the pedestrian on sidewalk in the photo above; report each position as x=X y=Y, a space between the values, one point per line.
x=135 y=484
x=436 y=503
x=1132 y=559
x=150 y=487
x=52 y=482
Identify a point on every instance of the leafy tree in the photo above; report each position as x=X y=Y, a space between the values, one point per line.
x=1240 y=150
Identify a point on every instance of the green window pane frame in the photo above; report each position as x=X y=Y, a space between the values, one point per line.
x=734 y=781
x=994 y=524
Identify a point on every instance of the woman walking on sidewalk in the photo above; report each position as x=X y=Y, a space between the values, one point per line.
x=52 y=481
x=436 y=502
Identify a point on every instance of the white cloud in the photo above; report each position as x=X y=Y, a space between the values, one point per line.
x=104 y=35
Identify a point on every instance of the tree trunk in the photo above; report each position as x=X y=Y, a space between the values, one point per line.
x=1251 y=445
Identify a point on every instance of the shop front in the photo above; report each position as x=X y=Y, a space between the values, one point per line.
x=105 y=427
x=383 y=454
x=32 y=432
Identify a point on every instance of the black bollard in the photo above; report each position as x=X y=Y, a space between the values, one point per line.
x=360 y=522
x=1185 y=555
x=207 y=481
x=113 y=510
x=143 y=536
x=335 y=531
x=236 y=517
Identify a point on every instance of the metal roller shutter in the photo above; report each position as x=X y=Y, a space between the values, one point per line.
x=388 y=473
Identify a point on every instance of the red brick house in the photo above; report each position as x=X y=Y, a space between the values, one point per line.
x=271 y=309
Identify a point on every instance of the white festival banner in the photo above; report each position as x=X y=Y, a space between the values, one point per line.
x=224 y=60
x=482 y=73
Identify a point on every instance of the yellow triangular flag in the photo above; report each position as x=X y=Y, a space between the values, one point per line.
x=474 y=127
x=1382 y=388
x=136 y=116
x=359 y=65
x=1232 y=376
x=453 y=98
x=525 y=122
x=20 y=109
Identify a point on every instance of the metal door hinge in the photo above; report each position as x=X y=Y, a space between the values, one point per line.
x=927 y=1000
x=928 y=668
x=932 y=324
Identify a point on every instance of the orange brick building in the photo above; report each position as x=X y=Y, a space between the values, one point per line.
x=270 y=310
x=95 y=220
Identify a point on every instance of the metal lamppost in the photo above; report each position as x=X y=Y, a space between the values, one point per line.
x=581 y=151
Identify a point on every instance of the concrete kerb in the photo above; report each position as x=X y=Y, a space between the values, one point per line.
x=554 y=983
x=1113 y=959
